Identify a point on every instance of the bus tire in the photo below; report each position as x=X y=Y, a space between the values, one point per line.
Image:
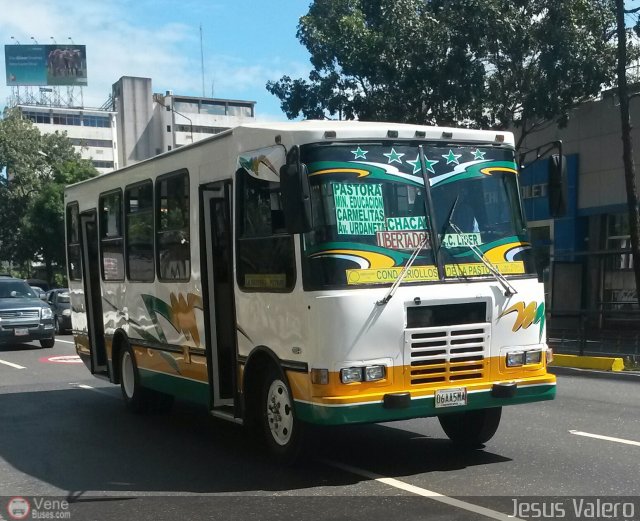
x=471 y=429
x=136 y=397
x=281 y=430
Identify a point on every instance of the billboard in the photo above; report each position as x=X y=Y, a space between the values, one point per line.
x=46 y=64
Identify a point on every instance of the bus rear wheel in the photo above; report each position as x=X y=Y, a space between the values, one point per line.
x=471 y=429
x=281 y=429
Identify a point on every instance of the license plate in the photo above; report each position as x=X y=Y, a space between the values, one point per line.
x=21 y=331
x=451 y=397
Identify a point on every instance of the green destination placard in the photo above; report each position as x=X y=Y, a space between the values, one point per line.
x=406 y=223
x=359 y=208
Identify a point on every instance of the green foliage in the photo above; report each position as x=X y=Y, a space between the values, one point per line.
x=480 y=63
x=32 y=193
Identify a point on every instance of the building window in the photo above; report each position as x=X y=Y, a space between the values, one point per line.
x=67 y=119
x=265 y=253
x=102 y=164
x=139 y=231
x=240 y=111
x=619 y=238
x=96 y=121
x=98 y=143
x=168 y=128
x=173 y=244
x=111 y=241
x=74 y=255
x=214 y=108
x=37 y=117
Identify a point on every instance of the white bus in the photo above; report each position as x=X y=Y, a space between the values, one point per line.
x=315 y=272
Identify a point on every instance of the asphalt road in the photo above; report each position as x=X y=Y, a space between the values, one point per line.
x=65 y=435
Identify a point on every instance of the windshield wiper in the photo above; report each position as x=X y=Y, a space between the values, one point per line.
x=509 y=290
x=403 y=273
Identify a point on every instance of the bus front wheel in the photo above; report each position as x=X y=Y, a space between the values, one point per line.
x=281 y=429
x=471 y=429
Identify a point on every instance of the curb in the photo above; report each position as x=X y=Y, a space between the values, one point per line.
x=599 y=363
x=627 y=376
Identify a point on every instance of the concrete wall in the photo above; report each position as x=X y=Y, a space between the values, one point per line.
x=132 y=100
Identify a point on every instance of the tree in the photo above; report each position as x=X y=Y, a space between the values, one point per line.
x=480 y=63
x=37 y=168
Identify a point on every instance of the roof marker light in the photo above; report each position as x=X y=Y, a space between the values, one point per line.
x=392 y=133
x=447 y=135
x=420 y=134
x=499 y=138
x=330 y=134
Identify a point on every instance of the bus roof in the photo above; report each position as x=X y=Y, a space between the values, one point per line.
x=310 y=131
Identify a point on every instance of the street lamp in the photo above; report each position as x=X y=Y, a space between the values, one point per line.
x=17 y=42
x=34 y=40
x=53 y=40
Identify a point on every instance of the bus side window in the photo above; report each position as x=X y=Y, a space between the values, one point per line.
x=173 y=244
x=139 y=231
x=73 y=242
x=264 y=252
x=111 y=240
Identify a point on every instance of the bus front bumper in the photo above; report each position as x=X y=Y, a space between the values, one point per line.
x=407 y=405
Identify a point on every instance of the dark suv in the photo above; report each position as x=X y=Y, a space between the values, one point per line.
x=23 y=316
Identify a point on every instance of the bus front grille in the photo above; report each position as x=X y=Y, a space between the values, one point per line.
x=451 y=354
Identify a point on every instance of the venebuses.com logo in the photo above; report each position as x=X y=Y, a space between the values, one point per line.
x=20 y=508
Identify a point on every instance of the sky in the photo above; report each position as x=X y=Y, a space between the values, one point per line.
x=245 y=44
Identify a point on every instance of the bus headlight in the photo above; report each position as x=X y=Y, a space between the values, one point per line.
x=373 y=373
x=515 y=358
x=351 y=374
x=369 y=373
x=533 y=357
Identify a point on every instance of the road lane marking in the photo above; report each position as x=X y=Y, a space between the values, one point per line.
x=61 y=359
x=11 y=364
x=65 y=341
x=104 y=391
x=396 y=483
x=606 y=438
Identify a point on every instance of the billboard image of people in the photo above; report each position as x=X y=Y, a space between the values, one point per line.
x=46 y=64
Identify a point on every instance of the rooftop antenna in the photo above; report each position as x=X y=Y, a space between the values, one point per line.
x=202 y=61
x=17 y=42
x=34 y=40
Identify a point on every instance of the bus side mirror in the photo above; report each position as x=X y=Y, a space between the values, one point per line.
x=557 y=185
x=296 y=193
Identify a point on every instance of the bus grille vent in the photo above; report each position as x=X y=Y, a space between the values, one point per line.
x=447 y=354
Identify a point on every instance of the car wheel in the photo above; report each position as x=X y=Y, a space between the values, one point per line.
x=56 y=321
x=48 y=343
x=471 y=429
x=282 y=431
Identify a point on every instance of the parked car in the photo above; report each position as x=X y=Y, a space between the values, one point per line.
x=23 y=316
x=60 y=302
x=42 y=295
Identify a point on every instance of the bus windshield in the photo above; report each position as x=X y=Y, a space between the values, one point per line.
x=371 y=210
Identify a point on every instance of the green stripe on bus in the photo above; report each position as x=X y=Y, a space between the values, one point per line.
x=181 y=387
x=422 y=407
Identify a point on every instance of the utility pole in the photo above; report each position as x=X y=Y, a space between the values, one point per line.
x=627 y=145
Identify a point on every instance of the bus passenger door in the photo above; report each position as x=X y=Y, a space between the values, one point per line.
x=217 y=280
x=92 y=292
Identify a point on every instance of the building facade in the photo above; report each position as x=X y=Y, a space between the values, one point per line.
x=152 y=123
x=585 y=255
x=138 y=124
x=92 y=131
